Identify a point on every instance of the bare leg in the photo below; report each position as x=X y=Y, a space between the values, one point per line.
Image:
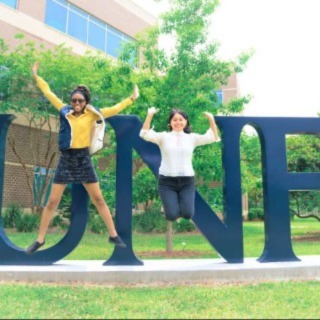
x=95 y=194
x=47 y=214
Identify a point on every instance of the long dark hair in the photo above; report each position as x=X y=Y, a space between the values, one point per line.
x=84 y=91
x=187 y=128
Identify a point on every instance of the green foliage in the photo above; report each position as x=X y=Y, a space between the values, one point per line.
x=145 y=187
x=65 y=204
x=256 y=214
x=303 y=153
x=183 y=225
x=302 y=156
x=305 y=204
x=150 y=221
x=28 y=223
x=96 y=224
x=186 y=78
x=15 y=218
x=12 y=215
x=57 y=221
x=191 y=70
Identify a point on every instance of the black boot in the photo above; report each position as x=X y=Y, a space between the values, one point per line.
x=34 y=247
x=117 y=241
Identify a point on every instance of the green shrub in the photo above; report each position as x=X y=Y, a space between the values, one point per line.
x=61 y=222
x=65 y=204
x=12 y=215
x=56 y=221
x=96 y=224
x=28 y=223
x=256 y=213
x=149 y=221
x=183 y=225
x=153 y=221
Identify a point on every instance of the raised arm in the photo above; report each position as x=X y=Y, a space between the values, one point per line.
x=44 y=87
x=151 y=112
x=111 y=111
x=151 y=135
x=212 y=124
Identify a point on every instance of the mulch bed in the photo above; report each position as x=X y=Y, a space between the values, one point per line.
x=309 y=237
x=174 y=254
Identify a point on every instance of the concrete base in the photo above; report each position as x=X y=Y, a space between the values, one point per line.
x=165 y=271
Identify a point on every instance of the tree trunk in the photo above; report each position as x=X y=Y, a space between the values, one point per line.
x=169 y=237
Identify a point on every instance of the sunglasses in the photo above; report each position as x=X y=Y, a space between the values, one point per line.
x=78 y=100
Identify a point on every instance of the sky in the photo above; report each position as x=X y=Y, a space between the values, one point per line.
x=283 y=76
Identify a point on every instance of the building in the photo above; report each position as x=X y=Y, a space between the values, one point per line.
x=100 y=25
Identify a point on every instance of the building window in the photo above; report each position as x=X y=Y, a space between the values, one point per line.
x=97 y=34
x=10 y=3
x=56 y=15
x=77 y=23
x=219 y=94
x=114 y=40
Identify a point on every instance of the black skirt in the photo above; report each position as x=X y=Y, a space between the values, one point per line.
x=75 y=166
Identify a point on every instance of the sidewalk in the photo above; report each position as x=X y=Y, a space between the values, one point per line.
x=165 y=271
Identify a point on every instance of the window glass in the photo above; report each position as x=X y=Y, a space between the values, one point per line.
x=77 y=25
x=56 y=15
x=97 y=35
x=219 y=94
x=113 y=43
x=10 y=3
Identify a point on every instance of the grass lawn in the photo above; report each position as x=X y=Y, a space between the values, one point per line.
x=269 y=300
x=282 y=300
x=305 y=240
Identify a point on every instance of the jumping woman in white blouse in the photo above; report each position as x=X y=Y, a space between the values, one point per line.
x=176 y=183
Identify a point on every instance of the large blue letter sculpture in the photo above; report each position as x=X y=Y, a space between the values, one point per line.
x=226 y=237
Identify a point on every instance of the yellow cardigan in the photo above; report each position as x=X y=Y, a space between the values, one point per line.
x=81 y=126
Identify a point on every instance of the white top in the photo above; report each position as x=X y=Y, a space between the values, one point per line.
x=177 y=149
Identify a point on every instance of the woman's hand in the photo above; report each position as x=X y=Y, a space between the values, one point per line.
x=209 y=116
x=35 y=68
x=152 y=111
x=135 y=94
x=212 y=124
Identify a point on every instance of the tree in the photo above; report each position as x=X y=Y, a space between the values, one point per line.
x=108 y=81
x=145 y=188
x=251 y=169
x=303 y=155
x=188 y=76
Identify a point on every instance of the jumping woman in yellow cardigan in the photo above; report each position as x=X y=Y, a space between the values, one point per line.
x=75 y=165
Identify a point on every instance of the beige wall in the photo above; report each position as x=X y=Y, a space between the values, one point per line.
x=230 y=91
x=16 y=188
x=32 y=8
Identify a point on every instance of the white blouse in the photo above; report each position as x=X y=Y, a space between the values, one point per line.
x=177 y=149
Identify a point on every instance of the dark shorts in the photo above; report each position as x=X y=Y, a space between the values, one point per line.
x=75 y=166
